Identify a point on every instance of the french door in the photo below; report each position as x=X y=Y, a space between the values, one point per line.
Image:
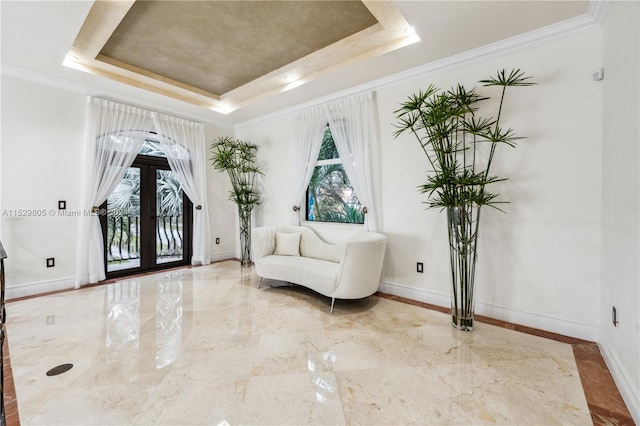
x=147 y=225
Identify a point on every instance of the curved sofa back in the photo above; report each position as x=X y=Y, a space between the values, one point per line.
x=311 y=245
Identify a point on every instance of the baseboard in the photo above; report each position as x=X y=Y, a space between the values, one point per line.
x=227 y=255
x=412 y=293
x=32 y=289
x=631 y=396
x=528 y=319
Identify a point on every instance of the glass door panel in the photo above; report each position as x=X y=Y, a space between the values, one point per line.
x=123 y=223
x=148 y=222
x=169 y=218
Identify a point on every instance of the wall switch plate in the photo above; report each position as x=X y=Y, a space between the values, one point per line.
x=218 y=240
x=51 y=262
x=419 y=267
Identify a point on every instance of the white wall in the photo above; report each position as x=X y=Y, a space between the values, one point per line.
x=540 y=263
x=273 y=138
x=621 y=200
x=42 y=130
x=41 y=163
x=221 y=211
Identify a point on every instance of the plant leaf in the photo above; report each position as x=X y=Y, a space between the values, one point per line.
x=514 y=78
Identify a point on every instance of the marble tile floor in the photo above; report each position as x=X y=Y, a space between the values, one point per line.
x=203 y=345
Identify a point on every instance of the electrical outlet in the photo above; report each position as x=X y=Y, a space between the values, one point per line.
x=419 y=267
x=598 y=74
x=51 y=262
x=218 y=240
x=614 y=316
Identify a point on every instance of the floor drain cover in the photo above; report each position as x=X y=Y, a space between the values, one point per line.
x=59 y=369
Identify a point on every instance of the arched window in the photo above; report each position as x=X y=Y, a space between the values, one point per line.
x=330 y=196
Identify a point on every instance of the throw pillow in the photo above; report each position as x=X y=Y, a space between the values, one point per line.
x=287 y=243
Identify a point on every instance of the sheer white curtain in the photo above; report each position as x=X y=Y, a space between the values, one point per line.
x=310 y=125
x=353 y=126
x=113 y=137
x=183 y=143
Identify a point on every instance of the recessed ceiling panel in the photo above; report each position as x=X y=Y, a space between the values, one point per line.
x=218 y=46
x=223 y=55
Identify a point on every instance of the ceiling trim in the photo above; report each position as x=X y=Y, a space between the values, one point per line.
x=598 y=10
x=391 y=32
x=58 y=83
x=592 y=20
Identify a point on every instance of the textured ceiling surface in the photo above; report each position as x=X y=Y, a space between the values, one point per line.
x=218 y=46
x=223 y=55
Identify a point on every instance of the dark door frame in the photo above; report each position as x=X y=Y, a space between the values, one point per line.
x=148 y=165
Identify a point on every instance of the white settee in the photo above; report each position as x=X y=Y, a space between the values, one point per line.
x=296 y=254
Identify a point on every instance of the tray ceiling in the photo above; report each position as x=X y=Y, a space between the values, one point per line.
x=226 y=54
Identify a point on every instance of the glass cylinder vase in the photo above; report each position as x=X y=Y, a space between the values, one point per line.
x=244 y=213
x=463 y=222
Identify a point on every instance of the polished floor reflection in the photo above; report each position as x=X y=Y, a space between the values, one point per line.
x=205 y=346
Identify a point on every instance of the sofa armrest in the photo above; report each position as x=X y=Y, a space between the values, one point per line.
x=361 y=266
x=263 y=242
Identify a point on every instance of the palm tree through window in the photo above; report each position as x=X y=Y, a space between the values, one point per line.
x=330 y=196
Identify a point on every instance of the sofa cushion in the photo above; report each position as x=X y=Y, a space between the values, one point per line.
x=287 y=244
x=318 y=275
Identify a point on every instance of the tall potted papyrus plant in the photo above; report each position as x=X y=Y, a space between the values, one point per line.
x=460 y=146
x=238 y=159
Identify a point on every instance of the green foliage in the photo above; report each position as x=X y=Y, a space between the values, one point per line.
x=125 y=198
x=238 y=159
x=353 y=214
x=328 y=148
x=168 y=194
x=329 y=189
x=449 y=129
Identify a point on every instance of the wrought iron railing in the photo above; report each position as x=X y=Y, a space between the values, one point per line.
x=123 y=234
x=123 y=237
x=169 y=240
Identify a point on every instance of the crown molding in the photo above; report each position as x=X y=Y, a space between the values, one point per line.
x=58 y=83
x=598 y=10
x=591 y=21
x=43 y=79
